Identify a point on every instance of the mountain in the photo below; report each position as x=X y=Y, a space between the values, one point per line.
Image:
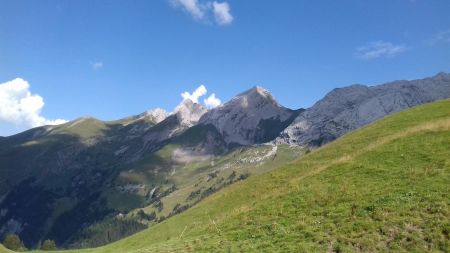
x=90 y=182
x=185 y=116
x=346 y=109
x=251 y=117
x=77 y=177
x=382 y=188
x=66 y=174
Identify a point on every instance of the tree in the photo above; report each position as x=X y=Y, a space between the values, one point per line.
x=48 y=245
x=13 y=242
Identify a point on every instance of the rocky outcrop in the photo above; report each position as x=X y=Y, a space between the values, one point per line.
x=157 y=115
x=185 y=116
x=189 y=113
x=346 y=109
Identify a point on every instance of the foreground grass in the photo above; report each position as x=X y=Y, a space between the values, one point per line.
x=383 y=188
x=4 y=250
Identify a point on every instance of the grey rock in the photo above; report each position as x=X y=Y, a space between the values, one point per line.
x=346 y=109
x=186 y=115
x=250 y=117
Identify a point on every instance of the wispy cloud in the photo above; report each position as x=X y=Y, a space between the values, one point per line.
x=208 y=11
x=222 y=13
x=379 y=49
x=21 y=108
x=212 y=101
x=193 y=7
x=97 y=65
x=441 y=37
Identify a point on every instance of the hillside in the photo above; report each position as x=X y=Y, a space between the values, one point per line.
x=383 y=187
x=90 y=182
x=3 y=250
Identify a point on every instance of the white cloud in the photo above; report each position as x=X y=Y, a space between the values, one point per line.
x=97 y=65
x=379 y=49
x=193 y=7
x=200 y=91
x=206 y=10
x=212 y=101
x=222 y=13
x=21 y=108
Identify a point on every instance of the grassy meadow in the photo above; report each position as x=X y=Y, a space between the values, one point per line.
x=382 y=188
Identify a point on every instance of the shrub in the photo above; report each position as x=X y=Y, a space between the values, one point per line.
x=13 y=242
x=141 y=214
x=48 y=245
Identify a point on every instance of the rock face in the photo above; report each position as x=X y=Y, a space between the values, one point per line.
x=186 y=115
x=157 y=115
x=189 y=113
x=345 y=109
x=251 y=117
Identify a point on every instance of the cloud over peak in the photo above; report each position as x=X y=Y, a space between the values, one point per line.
x=21 y=108
x=210 y=11
x=379 y=49
x=200 y=91
x=210 y=102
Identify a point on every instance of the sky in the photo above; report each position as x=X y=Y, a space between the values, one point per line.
x=61 y=59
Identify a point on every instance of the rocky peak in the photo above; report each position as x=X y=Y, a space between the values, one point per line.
x=441 y=77
x=240 y=120
x=256 y=90
x=157 y=115
x=188 y=112
x=255 y=96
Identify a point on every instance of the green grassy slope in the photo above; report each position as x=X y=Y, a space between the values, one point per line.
x=4 y=250
x=198 y=179
x=381 y=188
x=83 y=165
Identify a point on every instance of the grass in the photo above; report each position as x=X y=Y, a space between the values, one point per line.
x=4 y=250
x=126 y=186
x=382 y=188
x=194 y=176
x=84 y=128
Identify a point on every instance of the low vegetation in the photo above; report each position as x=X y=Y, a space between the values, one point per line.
x=48 y=245
x=4 y=250
x=381 y=188
x=13 y=242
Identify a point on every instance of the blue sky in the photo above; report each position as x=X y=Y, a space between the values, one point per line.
x=112 y=58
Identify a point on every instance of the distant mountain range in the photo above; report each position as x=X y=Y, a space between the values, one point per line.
x=72 y=181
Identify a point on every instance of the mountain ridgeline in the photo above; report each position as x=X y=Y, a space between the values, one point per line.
x=89 y=182
x=346 y=109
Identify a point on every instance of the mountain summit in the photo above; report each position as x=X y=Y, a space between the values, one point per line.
x=189 y=113
x=253 y=116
